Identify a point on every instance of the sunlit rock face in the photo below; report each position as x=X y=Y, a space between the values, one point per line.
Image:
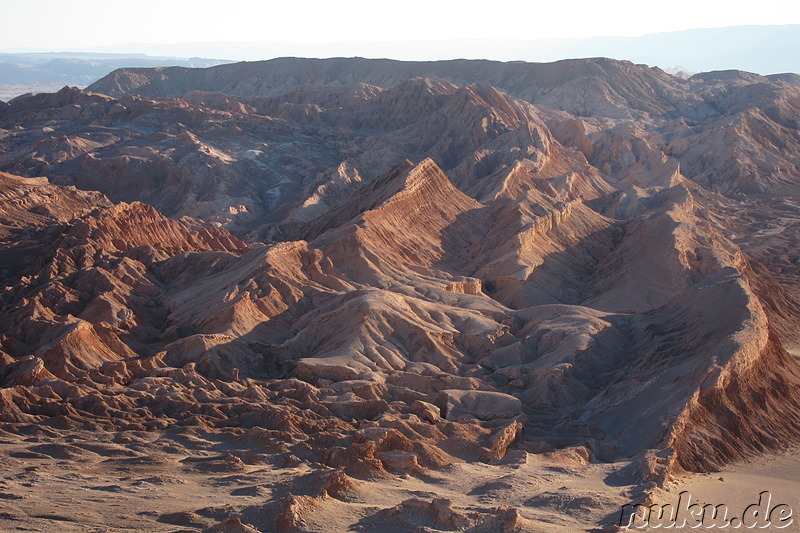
x=384 y=269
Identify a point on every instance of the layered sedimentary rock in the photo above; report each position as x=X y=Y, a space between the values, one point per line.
x=390 y=273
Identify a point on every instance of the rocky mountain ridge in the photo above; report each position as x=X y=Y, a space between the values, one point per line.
x=389 y=274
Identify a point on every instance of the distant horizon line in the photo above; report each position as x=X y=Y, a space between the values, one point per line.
x=102 y=48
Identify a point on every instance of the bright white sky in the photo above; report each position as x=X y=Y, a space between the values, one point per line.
x=61 y=25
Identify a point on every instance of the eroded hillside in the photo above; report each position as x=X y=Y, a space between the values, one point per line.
x=380 y=269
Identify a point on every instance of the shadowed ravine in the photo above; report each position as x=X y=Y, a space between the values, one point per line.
x=316 y=295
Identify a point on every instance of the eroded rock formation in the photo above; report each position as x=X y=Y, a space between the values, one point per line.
x=387 y=274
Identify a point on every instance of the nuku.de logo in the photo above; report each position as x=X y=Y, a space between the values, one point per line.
x=686 y=514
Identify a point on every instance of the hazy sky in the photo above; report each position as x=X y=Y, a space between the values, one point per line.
x=60 y=25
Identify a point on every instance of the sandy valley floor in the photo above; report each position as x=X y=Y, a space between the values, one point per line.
x=69 y=481
x=168 y=482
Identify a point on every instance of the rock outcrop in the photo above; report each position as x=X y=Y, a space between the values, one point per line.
x=385 y=268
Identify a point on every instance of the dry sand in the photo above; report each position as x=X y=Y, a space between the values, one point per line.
x=184 y=481
x=739 y=485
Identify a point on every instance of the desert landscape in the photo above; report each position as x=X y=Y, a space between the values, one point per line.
x=374 y=295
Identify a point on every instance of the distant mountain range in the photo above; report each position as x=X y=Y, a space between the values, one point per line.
x=760 y=49
x=49 y=71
